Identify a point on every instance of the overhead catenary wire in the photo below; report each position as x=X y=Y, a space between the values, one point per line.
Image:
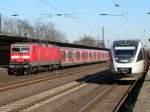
x=61 y=11
x=51 y=6
x=125 y=16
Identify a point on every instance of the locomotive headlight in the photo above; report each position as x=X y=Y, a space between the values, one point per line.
x=13 y=60
x=25 y=57
x=26 y=60
x=116 y=58
x=132 y=59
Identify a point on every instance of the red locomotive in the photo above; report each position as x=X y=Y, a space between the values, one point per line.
x=32 y=57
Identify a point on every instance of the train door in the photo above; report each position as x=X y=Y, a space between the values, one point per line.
x=38 y=55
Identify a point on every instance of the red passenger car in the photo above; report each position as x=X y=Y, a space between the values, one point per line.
x=32 y=57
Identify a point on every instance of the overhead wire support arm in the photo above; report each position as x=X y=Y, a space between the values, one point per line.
x=105 y=14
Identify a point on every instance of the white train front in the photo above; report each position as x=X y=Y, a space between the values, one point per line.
x=129 y=59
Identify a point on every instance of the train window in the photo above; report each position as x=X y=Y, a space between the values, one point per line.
x=90 y=54
x=69 y=54
x=99 y=54
x=140 y=56
x=25 y=49
x=63 y=55
x=124 y=53
x=82 y=55
x=77 y=54
x=15 y=49
x=94 y=54
x=73 y=55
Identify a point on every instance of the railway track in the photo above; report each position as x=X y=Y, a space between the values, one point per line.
x=92 y=93
x=9 y=95
x=4 y=77
x=69 y=87
x=41 y=78
x=110 y=100
x=47 y=96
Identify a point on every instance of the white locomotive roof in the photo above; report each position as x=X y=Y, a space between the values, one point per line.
x=126 y=43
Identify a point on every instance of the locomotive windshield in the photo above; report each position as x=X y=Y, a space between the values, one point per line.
x=124 y=52
x=15 y=49
x=20 y=49
x=24 y=49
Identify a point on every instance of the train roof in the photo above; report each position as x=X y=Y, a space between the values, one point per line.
x=15 y=39
x=125 y=42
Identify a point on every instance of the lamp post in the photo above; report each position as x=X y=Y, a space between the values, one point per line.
x=26 y=31
x=149 y=14
x=0 y=23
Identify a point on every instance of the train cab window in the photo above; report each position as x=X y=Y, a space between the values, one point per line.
x=20 y=49
x=15 y=49
x=25 y=49
x=140 y=56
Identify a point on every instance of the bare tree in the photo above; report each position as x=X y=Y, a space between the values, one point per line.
x=8 y=26
x=89 y=41
x=48 y=32
x=38 y=30
x=24 y=28
x=86 y=40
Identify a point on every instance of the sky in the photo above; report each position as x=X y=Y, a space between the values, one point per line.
x=82 y=17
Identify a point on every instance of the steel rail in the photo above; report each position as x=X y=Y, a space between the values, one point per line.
x=39 y=79
x=50 y=95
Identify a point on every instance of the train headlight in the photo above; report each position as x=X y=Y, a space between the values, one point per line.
x=13 y=60
x=26 y=60
x=116 y=58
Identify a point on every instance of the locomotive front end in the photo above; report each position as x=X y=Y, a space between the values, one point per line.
x=127 y=59
x=19 y=58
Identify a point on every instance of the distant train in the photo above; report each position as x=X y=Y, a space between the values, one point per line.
x=26 y=58
x=129 y=59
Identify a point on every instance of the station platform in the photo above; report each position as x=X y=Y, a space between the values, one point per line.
x=143 y=101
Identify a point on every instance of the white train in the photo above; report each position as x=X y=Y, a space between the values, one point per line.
x=129 y=59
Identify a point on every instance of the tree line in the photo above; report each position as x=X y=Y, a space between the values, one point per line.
x=38 y=29
x=42 y=30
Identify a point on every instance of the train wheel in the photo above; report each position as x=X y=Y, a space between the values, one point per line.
x=22 y=71
x=10 y=72
x=51 y=68
x=29 y=71
x=47 y=68
x=35 y=70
